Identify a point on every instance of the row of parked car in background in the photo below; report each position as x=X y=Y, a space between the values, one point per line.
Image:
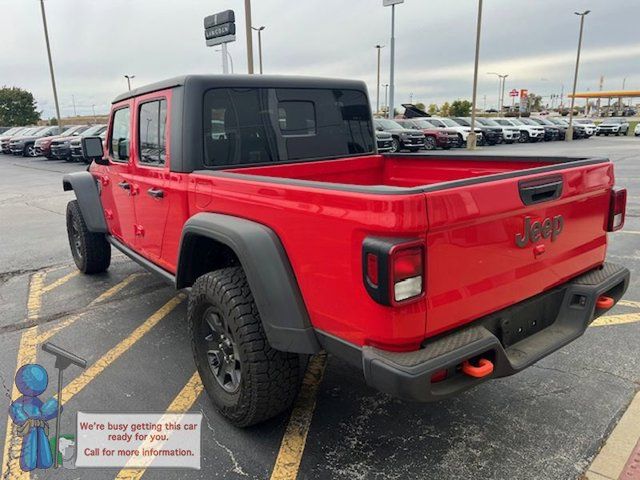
x=418 y=130
x=52 y=142
x=414 y=132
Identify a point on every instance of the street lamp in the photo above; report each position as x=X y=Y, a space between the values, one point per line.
x=569 y=133
x=386 y=98
x=392 y=47
x=471 y=139
x=129 y=78
x=259 y=30
x=501 y=81
x=53 y=79
x=378 y=47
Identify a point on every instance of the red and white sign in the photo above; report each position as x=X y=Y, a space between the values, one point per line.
x=513 y=93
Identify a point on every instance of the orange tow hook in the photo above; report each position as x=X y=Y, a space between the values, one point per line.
x=604 y=302
x=484 y=368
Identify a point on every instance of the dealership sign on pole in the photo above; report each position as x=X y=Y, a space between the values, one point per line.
x=513 y=93
x=220 y=29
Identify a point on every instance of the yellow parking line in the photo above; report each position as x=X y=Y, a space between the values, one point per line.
x=629 y=303
x=81 y=381
x=295 y=436
x=46 y=335
x=27 y=351
x=26 y=354
x=61 y=281
x=182 y=403
x=616 y=319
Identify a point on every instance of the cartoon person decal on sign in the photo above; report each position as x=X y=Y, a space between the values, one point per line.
x=31 y=417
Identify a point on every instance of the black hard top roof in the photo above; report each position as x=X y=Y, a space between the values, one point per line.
x=276 y=81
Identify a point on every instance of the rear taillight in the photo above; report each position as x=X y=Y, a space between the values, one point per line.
x=393 y=270
x=617 y=209
x=407 y=273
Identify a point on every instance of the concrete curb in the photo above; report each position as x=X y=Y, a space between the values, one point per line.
x=614 y=460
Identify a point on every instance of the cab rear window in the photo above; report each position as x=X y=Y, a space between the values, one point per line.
x=267 y=125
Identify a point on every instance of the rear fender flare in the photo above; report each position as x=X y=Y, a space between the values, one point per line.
x=269 y=273
x=86 y=189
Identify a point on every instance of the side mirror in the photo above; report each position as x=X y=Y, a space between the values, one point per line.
x=92 y=148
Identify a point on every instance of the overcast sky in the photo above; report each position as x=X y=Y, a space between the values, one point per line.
x=94 y=43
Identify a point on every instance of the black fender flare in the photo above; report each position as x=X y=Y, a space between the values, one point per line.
x=269 y=273
x=86 y=189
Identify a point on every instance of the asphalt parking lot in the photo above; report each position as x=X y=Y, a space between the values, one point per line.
x=546 y=422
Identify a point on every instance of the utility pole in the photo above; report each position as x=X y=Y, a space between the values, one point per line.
x=259 y=30
x=73 y=100
x=392 y=47
x=94 y=114
x=471 y=139
x=569 y=133
x=129 y=78
x=247 y=20
x=53 y=78
x=378 y=47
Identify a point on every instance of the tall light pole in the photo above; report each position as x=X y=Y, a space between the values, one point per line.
x=386 y=97
x=247 y=20
x=259 y=30
x=471 y=139
x=392 y=47
x=378 y=47
x=94 y=113
x=129 y=78
x=569 y=134
x=501 y=82
x=53 y=78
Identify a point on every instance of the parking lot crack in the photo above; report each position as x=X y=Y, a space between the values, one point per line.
x=573 y=374
x=621 y=377
x=237 y=468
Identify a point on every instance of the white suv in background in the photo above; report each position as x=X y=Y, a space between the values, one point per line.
x=528 y=133
x=636 y=132
x=448 y=124
x=589 y=127
x=509 y=134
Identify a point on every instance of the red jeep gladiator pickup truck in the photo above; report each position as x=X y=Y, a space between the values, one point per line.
x=266 y=198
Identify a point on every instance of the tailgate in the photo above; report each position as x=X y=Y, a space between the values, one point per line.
x=481 y=256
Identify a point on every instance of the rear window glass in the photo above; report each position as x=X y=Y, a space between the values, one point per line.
x=266 y=125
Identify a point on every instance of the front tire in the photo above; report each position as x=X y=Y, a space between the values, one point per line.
x=91 y=252
x=395 y=145
x=524 y=137
x=247 y=380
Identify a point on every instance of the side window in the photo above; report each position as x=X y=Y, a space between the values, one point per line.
x=120 y=135
x=296 y=118
x=152 y=122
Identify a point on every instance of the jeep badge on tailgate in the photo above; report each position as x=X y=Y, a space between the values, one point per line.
x=536 y=230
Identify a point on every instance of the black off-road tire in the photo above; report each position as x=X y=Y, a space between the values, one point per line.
x=91 y=252
x=395 y=146
x=268 y=379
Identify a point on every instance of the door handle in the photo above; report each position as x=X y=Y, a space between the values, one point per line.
x=156 y=193
x=124 y=185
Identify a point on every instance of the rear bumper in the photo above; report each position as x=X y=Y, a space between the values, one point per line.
x=513 y=339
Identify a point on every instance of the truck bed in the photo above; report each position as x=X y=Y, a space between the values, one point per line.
x=400 y=172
